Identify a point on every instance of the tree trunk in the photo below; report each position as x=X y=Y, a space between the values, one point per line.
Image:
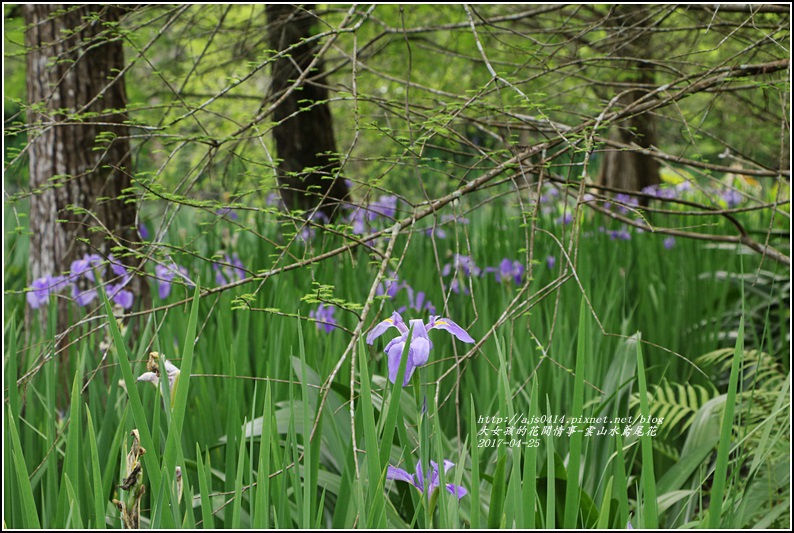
x=625 y=169
x=304 y=133
x=78 y=144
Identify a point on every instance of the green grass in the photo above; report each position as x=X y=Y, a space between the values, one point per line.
x=239 y=421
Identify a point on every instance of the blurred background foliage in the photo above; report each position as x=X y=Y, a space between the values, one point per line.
x=409 y=81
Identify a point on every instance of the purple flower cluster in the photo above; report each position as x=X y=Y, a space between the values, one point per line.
x=227 y=212
x=165 y=275
x=732 y=197
x=621 y=234
x=324 y=315
x=625 y=202
x=309 y=232
x=461 y=266
x=41 y=289
x=273 y=199
x=389 y=287
x=657 y=191
x=363 y=218
x=438 y=233
x=508 y=271
x=464 y=266
x=565 y=219
x=232 y=271
x=384 y=206
x=416 y=299
x=425 y=484
x=549 y=193
x=83 y=282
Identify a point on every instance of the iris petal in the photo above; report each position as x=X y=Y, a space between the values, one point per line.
x=457 y=490
x=394 y=351
x=409 y=370
x=420 y=478
x=394 y=321
x=424 y=485
x=420 y=351
x=449 y=326
x=379 y=330
x=398 y=474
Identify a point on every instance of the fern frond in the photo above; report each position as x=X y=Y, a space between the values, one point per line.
x=676 y=404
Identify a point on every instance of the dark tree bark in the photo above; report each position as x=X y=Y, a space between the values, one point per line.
x=304 y=134
x=624 y=169
x=78 y=144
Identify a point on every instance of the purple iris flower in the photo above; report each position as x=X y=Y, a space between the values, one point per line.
x=651 y=190
x=417 y=302
x=228 y=274
x=421 y=482
x=669 y=242
x=508 y=270
x=551 y=261
x=659 y=192
x=464 y=263
x=390 y=287
x=85 y=266
x=385 y=206
x=622 y=234
x=83 y=297
x=143 y=231
x=438 y=233
x=324 y=314
x=458 y=219
x=358 y=220
x=732 y=197
x=116 y=292
x=308 y=232
x=120 y=296
x=419 y=349
x=79 y=268
x=42 y=288
x=227 y=212
x=117 y=268
x=273 y=199
x=455 y=286
x=565 y=219
x=549 y=193
x=165 y=275
x=666 y=193
x=625 y=200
